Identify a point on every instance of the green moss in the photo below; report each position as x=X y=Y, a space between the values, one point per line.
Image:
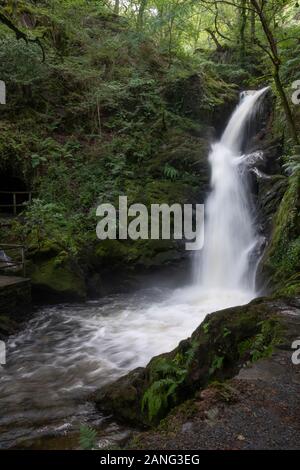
x=234 y=337
x=282 y=259
x=57 y=278
x=166 y=377
x=114 y=250
x=262 y=344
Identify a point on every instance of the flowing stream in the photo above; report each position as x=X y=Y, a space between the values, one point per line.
x=66 y=352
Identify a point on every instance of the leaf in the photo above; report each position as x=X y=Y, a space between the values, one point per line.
x=87 y=439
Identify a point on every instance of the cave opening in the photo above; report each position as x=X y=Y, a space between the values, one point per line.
x=13 y=193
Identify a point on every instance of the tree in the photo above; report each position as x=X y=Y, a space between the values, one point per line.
x=273 y=54
x=20 y=34
x=140 y=19
x=117 y=7
x=267 y=15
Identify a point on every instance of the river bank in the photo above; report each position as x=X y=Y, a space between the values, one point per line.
x=257 y=409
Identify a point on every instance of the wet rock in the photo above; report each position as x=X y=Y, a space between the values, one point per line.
x=187 y=427
x=56 y=280
x=280 y=265
x=271 y=190
x=145 y=395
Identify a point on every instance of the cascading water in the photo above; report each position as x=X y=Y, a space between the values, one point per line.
x=230 y=237
x=66 y=352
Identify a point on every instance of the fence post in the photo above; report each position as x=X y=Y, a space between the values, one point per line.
x=23 y=261
x=15 y=203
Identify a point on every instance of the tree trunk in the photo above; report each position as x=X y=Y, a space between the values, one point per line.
x=117 y=7
x=253 y=28
x=243 y=24
x=274 y=56
x=286 y=107
x=140 y=19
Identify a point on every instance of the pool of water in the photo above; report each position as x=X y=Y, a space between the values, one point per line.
x=66 y=352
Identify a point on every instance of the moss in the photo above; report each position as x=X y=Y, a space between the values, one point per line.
x=58 y=279
x=111 y=251
x=166 y=377
x=262 y=344
x=186 y=152
x=215 y=353
x=115 y=254
x=282 y=258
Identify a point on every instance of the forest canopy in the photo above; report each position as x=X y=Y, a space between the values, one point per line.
x=246 y=28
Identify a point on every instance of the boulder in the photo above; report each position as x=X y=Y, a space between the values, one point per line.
x=56 y=280
x=220 y=346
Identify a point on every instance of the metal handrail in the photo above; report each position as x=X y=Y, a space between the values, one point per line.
x=16 y=192
x=22 y=263
x=14 y=204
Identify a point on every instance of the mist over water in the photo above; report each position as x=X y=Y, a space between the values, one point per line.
x=66 y=352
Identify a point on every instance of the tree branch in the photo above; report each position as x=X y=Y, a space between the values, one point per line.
x=20 y=34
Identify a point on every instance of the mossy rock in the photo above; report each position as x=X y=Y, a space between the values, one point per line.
x=216 y=350
x=7 y=326
x=281 y=261
x=128 y=255
x=270 y=194
x=185 y=96
x=169 y=192
x=57 y=280
x=184 y=151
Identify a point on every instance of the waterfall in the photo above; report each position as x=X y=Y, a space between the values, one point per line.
x=226 y=262
x=66 y=352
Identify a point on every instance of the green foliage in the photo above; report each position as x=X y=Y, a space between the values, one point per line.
x=120 y=103
x=157 y=397
x=166 y=378
x=170 y=172
x=262 y=344
x=226 y=332
x=20 y=63
x=216 y=364
x=87 y=125
x=88 y=438
x=283 y=255
x=292 y=165
x=205 y=327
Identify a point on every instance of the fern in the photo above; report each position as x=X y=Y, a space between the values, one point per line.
x=217 y=364
x=262 y=345
x=292 y=167
x=170 y=172
x=88 y=437
x=156 y=398
x=166 y=377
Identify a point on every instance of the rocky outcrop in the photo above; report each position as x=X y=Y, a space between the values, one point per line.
x=15 y=303
x=280 y=266
x=217 y=350
x=56 y=279
x=264 y=395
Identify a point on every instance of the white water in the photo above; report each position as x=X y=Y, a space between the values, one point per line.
x=226 y=262
x=68 y=351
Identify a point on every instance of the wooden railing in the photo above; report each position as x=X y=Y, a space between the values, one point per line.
x=15 y=258
x=14 y=204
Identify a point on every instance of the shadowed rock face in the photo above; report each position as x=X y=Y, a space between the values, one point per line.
x=217 y=350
